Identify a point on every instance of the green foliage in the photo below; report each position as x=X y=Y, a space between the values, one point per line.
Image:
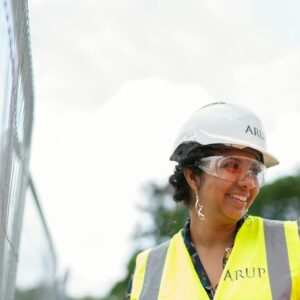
x=26 y=294
x=85 y=298
x=166 y=218
x=119 y=289
x=277 y=200
x=41 y=291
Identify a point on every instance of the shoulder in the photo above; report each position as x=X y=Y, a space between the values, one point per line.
x=150 y=259
x=275 y=228
x=290 y=229
x=157 y=252
x=276 y=224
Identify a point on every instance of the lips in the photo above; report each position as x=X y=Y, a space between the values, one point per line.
x=238 y=200
x=239 y=197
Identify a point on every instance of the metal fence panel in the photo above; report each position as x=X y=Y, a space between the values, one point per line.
x=16 y=119
x=37 y=268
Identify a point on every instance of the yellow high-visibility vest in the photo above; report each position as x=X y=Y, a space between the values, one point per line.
x=264 y=264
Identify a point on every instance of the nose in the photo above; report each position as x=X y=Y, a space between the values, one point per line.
x=247 y=181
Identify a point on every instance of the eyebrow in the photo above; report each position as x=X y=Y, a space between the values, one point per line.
x=239 y=159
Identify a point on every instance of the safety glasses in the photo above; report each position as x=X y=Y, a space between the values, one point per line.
x=233 y=168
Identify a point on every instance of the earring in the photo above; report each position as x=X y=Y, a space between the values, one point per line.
x=199 y=207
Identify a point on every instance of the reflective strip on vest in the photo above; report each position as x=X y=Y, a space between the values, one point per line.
x=154 y=270
x=278 y=261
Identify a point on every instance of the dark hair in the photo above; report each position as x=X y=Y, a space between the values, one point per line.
x=181 y=189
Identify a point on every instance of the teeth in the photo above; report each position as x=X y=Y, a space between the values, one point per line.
x=239 y=197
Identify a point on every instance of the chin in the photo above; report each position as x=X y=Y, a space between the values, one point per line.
x=235 y=217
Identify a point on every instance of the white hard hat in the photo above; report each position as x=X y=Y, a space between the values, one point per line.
x=227 y=124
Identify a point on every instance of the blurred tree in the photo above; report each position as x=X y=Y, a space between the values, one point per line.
x=27 y=294
x=39 y=292
x=85 y=298
x=165 y=217
x=279 y=200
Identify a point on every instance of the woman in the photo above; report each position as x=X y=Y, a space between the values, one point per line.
x=221 y=253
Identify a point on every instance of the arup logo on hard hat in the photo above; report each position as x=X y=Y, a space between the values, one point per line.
x=255 y=131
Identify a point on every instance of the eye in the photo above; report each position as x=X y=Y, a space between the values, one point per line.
x=231 y=166
x=255 y=170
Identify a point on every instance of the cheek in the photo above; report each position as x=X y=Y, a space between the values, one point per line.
x=254 y=193
x=213 y=187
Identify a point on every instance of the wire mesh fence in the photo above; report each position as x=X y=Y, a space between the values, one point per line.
x=16 y=188
x=37 y=268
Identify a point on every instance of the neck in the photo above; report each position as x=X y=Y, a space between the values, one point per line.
x=208 y=233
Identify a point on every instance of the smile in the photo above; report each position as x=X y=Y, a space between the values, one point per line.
x=238 y=197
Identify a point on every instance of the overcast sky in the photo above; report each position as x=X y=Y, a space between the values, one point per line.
x=114 y=81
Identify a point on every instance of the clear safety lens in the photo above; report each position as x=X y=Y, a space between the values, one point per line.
x=233 y=168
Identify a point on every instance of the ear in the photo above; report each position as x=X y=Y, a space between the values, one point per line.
x=192 y=179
